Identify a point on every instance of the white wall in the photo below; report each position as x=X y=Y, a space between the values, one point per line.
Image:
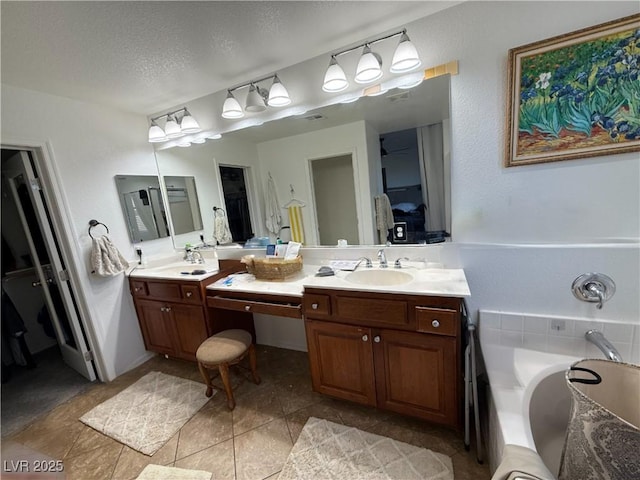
x=89 y=145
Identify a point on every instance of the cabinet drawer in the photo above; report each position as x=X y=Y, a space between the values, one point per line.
x=191 y=293
x=437 y=320
x=315 y=304
x=165 y=291
x=291 y=310
x=372 y=311
x=138 y=288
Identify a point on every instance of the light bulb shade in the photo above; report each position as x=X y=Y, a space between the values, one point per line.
x=334 y=79
x=199 y=140
x=255 y=102
x=171 y=128
x=156 y=134
x=278 y=95
x=188 y=124
x=231 y=107
x=405 y=57
x=369 y=66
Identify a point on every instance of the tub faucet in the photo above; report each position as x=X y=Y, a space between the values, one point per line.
x=597 y=338
x=382 y=258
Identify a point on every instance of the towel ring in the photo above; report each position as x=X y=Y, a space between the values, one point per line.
x=218 y=209
x=94 y=223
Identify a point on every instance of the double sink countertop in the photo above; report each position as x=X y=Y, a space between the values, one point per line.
x=411 y=279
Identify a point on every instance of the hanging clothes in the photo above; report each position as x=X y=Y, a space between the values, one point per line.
x=106 y=259
x=295 y=221
x=272 y=207
x=384 y=216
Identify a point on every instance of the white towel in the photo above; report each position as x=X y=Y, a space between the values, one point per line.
x=221 y=232
x=272 y=207
x=521 y=463
x=384 y=216
x=106 y=259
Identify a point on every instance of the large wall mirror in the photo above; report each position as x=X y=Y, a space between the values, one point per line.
x=397 y=144
x=142 y=206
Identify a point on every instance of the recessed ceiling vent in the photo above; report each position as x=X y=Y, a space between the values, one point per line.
x=314 y=117
x=399 y=96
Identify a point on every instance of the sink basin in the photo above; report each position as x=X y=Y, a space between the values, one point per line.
x=184 y=269
x=378 y=277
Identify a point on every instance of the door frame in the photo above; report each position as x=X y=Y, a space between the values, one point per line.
x=62 y=225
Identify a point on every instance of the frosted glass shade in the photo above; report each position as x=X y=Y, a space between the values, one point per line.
x=172 y=129
x=156 y=134
x=188 y=124
x=255 y=102
x=334 y=79
x=405 y=57
x=278 y=95
x=369 y=67
x=231 y=107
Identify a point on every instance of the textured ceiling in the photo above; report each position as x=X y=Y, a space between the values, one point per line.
x=147 y=56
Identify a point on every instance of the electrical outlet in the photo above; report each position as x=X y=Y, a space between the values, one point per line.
x=558 y=325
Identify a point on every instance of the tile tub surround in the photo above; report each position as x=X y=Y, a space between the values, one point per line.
x=252 y=442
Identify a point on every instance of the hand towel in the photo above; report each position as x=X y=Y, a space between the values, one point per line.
x=272 y=207
x=384 y=216
x=295 y=221
x=521 y=463
x=221 y=232
x=106 y=259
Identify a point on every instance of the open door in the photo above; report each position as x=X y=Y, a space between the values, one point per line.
x=48 y=263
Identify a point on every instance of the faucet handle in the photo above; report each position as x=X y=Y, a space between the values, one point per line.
x=397 y=263
x=593 y=287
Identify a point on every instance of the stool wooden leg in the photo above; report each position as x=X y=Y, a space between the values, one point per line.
x=253 y=364
x=224 y=375
x=207 y=379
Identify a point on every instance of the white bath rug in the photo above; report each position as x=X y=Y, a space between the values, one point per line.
x=148 y=413
x=327 y=450
x=158 y=472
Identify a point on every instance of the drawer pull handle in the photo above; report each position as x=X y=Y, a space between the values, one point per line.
x=376 y=339
x=189 y=294
x=435 y=324
x=247 y=307
x=314 y=306
x=365 y=338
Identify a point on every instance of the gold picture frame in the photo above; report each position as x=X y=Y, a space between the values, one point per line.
x=575 y=95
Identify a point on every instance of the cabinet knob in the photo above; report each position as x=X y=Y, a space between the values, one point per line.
x=376 y=339
x=314 y=306
x=365 y=338
x=163 y=309
x=137 y=289
x=435 y=324
x=189 y=294
x=168 y=309
x=247 y=307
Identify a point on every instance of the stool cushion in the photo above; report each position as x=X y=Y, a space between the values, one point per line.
x=223 y=347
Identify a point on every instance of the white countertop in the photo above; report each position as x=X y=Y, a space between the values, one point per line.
x=425 y=281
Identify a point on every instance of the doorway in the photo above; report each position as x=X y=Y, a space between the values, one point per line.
x=44 y=354
x=335 y=199
x=236 y=200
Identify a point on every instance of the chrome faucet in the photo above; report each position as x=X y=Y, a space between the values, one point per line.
x=367 y=261
x=397 y=263
x=597 y=338
x=382 y=258
x=196 y=257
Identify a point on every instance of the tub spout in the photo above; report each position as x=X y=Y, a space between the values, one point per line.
x=597 y=338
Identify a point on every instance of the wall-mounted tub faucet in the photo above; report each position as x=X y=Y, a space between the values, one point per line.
x=593 y=287
x=597 y=338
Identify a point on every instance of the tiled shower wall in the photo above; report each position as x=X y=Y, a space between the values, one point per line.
x=563 y=335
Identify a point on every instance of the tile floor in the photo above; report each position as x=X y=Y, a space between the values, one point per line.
x=252 y=442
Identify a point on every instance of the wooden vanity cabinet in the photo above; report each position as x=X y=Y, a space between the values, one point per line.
x=396 y=352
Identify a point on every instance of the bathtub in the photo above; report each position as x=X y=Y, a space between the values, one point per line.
x=530 y=401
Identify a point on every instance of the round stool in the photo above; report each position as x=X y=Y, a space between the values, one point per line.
x=221 y=351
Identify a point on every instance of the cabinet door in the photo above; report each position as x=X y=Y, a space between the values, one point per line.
x=190 y=329
x=341 y=360
x=416 y=374
x=156 y=326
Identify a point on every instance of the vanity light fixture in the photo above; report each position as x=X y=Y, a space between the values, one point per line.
x=178 y=122
x=369 y=69
x=257 y=98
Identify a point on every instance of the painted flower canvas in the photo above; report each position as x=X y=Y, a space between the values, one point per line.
x=575 y=96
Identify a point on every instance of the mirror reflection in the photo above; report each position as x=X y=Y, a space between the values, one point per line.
x=340 y=161
x=142 y=206
x=184 y=207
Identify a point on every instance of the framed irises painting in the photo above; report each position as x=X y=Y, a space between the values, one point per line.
x=575 y=95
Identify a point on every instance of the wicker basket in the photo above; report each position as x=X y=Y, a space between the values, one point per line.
x=274 y=268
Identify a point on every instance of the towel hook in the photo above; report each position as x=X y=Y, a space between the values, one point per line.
x=217 y=209
x=94 y=223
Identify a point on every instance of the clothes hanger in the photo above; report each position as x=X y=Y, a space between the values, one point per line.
x=294 y=201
